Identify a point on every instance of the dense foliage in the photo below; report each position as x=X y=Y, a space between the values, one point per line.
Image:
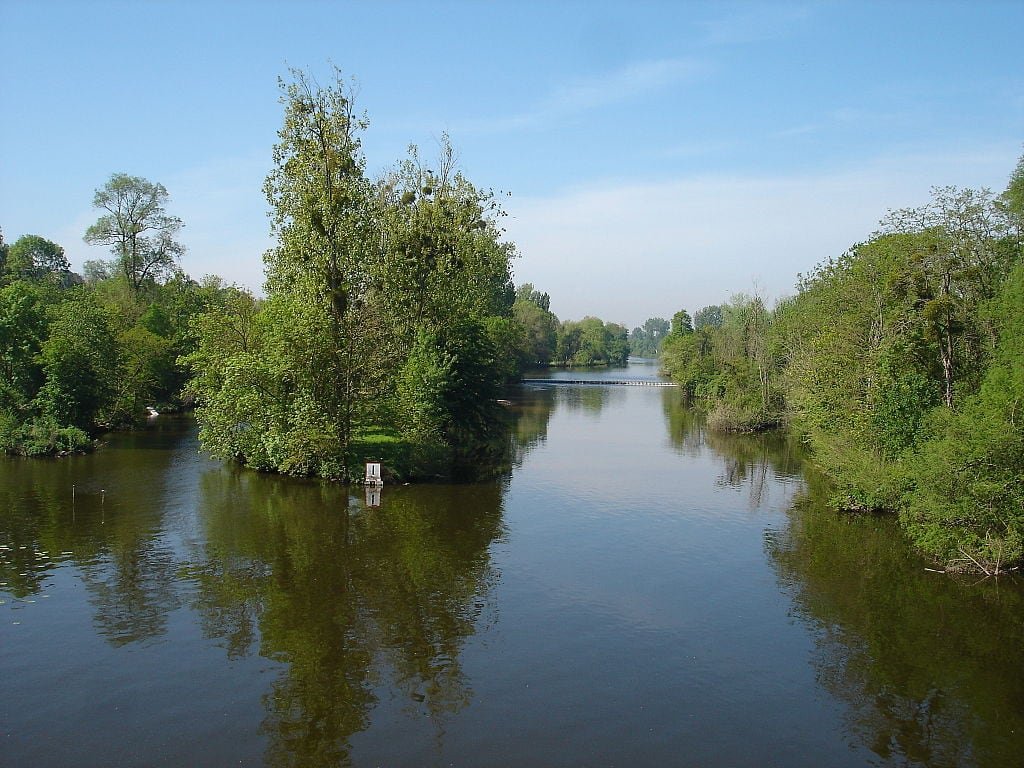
x=78 y=355
x=646 y=341
x=388 y=313
x=901 y=363
x=544 y=340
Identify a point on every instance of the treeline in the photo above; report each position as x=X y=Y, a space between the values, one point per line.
x=546 y=341
x=646 y=341
x=79 y=354
x=389 y=326
x=902 y=363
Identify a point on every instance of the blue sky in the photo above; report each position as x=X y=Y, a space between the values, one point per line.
x=658 y=155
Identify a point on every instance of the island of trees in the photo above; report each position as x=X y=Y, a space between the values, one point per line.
x=391 y=324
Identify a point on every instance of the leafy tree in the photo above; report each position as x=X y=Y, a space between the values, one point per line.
x=527 y=292
x=710 y=317
x=539 y=326
x=321 y=213
x=79 y=359
x=97 y=270
x=966 y=498
x=32 y=257
x=618 y=344
x=443 y=256
x=447 y=281
x=145 y=363
x=681 y=323
x=388 y=308
x=591 y=342
x=647 y=340
x=23 y=329
x=137 y=228
x=960 y=265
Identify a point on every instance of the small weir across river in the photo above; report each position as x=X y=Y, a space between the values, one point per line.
x=603 y=382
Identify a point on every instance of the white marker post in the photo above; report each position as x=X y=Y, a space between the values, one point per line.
x=373 y=476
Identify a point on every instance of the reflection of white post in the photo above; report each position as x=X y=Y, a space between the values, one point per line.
x=373 y=495
x=373 y=476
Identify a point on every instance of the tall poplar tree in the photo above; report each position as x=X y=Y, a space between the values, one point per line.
x=321 y=269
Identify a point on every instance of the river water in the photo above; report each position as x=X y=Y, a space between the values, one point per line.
x=634 y=592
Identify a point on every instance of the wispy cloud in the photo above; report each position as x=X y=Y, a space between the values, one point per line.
x=754 y=24
x=843 y=117
x=629 y=251
x=798 y=130
x=581 y=96
x=701 y=148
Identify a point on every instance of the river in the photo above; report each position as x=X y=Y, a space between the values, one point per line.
x=634 y=592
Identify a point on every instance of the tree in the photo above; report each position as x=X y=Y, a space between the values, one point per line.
x=388 y=306
x=961 y=265
x=32 y=257
x=79 y=360
x=139 y=232
x=710 y=317
x=540 y=332
x=322 y=215
x=526 y=292
x=647 y=341
x=966 y=498
x=681 y=323
x=23 y=328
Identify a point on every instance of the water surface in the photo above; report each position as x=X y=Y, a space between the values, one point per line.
x=636 y=592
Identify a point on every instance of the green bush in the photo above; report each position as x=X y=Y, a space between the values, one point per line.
x=41 y=436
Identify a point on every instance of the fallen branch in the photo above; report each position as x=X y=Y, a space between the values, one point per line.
x=981 y=567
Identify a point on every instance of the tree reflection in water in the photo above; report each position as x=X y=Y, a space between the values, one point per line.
x=746 y=459
x=351 y=599
x=928 y=665
x=109 y=526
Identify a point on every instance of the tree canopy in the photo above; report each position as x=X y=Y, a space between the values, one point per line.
x=136 y=227
x=388 y=309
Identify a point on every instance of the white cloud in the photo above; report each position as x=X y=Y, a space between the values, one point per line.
x=629 y=251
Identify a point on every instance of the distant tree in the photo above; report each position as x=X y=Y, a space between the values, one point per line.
x=139 y=232
x=681 y=323
x=95 y=270
x=708 y=317
x=646 y=341
x=592 y=342
x=526 y=292
x=32 y=257
x=617 y=343
x=540 y=332
x=3 y=253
